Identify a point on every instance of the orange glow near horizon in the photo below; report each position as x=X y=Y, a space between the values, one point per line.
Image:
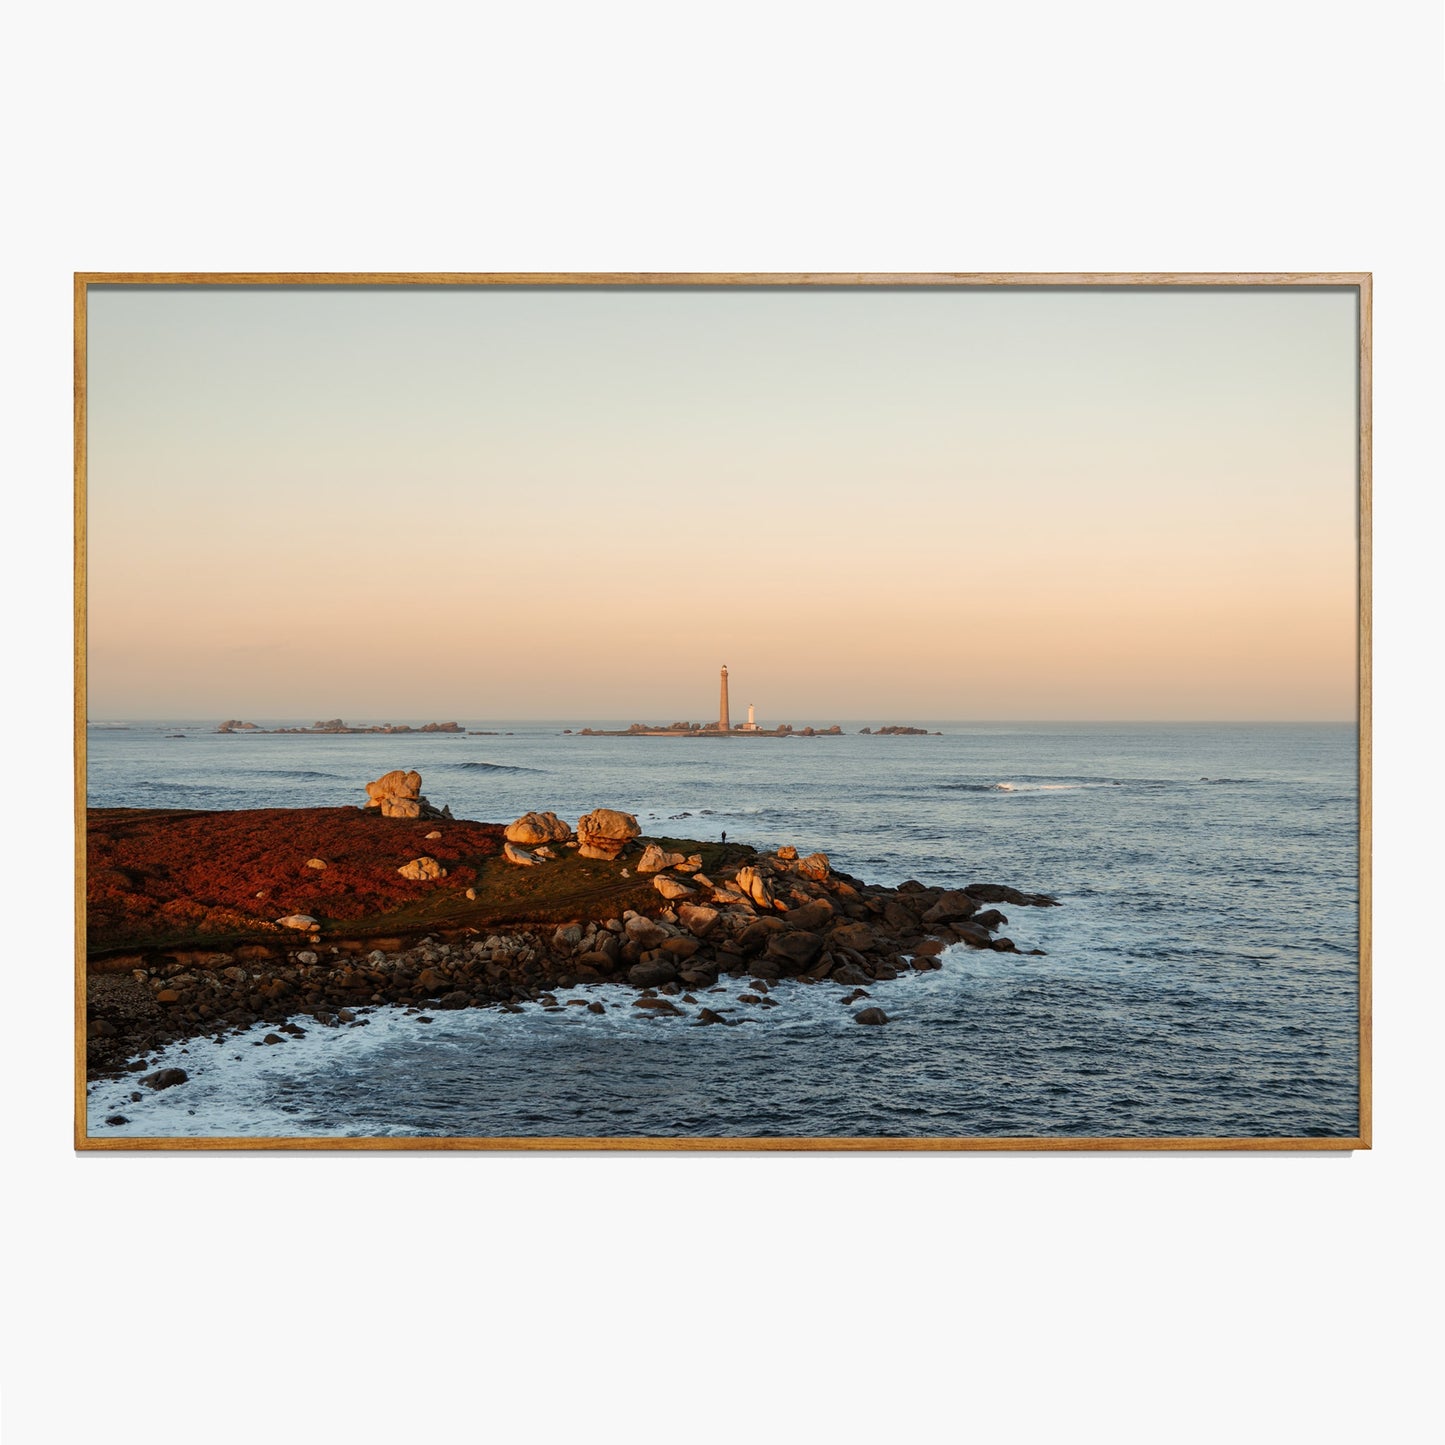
x=946 y=505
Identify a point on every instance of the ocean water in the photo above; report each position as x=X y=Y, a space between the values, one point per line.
x=1200 y=979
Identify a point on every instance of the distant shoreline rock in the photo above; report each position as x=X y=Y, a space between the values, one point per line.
x=707 y=730
x=334 y=727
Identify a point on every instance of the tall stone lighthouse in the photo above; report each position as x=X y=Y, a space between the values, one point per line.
x=722 y=716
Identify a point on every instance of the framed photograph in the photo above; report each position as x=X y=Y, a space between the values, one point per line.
x=722 y=711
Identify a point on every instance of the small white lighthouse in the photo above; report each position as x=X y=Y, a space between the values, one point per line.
x=752 y=719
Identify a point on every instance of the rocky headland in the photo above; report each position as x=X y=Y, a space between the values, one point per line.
x=206 y=923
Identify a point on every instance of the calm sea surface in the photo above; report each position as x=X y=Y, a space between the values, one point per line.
x=1200 y=979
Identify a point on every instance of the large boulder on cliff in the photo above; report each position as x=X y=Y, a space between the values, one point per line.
x=397 y=794
x=422 y=870
x=654 y=859
x=533 y=828
x=604 y=833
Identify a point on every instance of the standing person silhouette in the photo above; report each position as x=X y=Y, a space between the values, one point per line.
x=725 y=835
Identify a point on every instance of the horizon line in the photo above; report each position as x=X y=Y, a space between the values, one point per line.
x=957 y=722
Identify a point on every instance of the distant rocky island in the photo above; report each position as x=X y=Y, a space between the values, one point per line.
x=709 y=730
x=724 y=727
x=335 y=725
x=742 y=730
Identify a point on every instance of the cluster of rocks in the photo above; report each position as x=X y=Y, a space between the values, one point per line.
x=398 y=794
x=604 y=833
x=786 y=916
x=780 y=916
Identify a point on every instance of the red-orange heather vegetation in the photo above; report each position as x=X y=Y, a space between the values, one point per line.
x=155 y=875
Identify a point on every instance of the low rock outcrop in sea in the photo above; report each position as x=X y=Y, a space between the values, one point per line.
x=706 y=730
x=336 y=726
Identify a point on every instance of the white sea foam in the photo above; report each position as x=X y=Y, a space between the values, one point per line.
x=1046 y=787
x=242 y=1087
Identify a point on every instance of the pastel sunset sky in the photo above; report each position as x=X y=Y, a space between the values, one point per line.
x=415 y=503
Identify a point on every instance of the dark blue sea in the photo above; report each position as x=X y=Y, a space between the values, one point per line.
x=1200 y=979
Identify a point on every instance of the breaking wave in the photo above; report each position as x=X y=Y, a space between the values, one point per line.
x=493 y=767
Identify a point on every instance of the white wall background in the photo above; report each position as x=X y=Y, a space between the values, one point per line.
x=699 y=1298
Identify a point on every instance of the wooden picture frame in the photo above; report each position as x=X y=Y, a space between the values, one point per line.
x=1358 y=283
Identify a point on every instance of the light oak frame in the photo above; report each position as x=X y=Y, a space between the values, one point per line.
x=1361 y=282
